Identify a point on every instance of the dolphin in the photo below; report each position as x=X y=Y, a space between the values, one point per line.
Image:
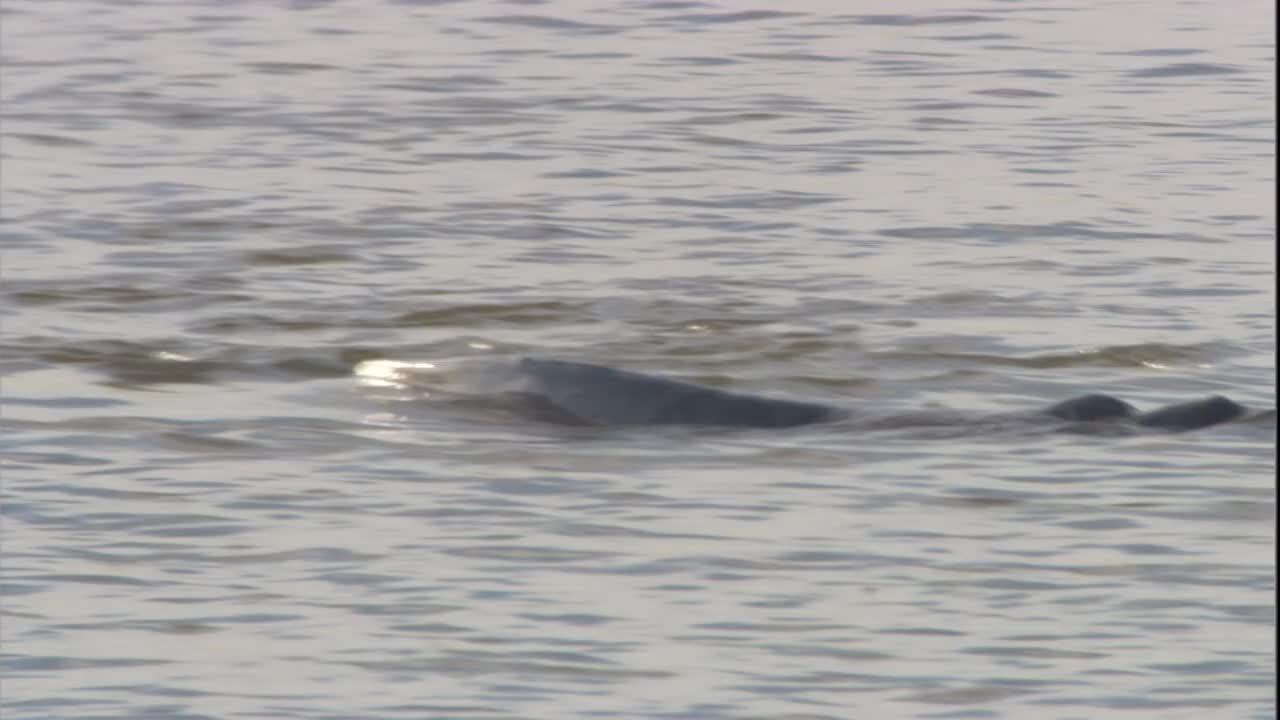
x=575 y=393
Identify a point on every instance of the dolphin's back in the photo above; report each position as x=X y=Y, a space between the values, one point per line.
x=586 y=394
x=583 y=394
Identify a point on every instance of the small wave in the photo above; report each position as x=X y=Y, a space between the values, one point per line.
x=1148 y=355
x=1185 y=69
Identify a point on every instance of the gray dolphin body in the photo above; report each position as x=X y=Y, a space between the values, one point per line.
x=583 y=394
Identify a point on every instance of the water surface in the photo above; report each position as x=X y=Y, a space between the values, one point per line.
x=215 y=211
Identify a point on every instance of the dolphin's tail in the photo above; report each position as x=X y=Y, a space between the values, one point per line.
x=1184 y=416
x=1193 y=415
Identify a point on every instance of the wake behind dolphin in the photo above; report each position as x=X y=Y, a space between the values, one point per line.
x=574 y=393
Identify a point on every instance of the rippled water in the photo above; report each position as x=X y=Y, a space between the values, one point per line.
x=213 y=212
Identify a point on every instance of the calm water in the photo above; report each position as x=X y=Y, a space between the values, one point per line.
x=215 y=211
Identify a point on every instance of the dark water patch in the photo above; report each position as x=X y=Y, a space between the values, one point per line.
x=288 y=68
x=21 y=664
x=204 y=443
x=318 y=255
x=673 y=4
x=186 y=626
x=813 y=130
x=978 y=37
x=1015 y=93
x=572 y=619
x=317 y=554
x=795 y=57
x=529 y=554
x=593 y=56
x=357 y=579
x=728 y=17
x=974 y=695
x=65 y=403
x=897 y=149
x=903 y=66
x=725 y=118
x=241 y=325
x=827 y=559
x=942 y=105
x=1158 y=52
x=1040 y=73
x=88 y=579
x=445 y=83
x=697 y=61
x=1045 y=171
x=938 y=122
x=92 y=491
x=1177 y=70
x=915 y=20
x=576 y=668
x=555 y=231
x=49 y=140
x=493 y=156
x=584 y=529
x=1027 y=305
x=481 y=711
x=1000 y=232
x=1181 y=291
x=160 y=524
x=432 y=629
x=172 y=230
x=19 y=241
x=836 y=168
x=1020 y=651
x=84 y=709
x=1102 y=524
x=1235 y=668
x=584 y=174
x=826 y=651
x=1235 y=218
x=534 y=487
x=19 y=458
x=789 y=684
x=479 y=315
x=795 y=626
x=547 y=22
x=1139 y=702
x=159 y=691
x=755 y=201
x=719 y=140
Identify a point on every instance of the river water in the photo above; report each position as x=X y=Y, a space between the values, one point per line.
x=214 y=212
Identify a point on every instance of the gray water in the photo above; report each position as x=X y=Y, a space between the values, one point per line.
x=214 y=212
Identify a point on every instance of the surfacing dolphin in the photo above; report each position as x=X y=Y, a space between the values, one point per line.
x=575 y=393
